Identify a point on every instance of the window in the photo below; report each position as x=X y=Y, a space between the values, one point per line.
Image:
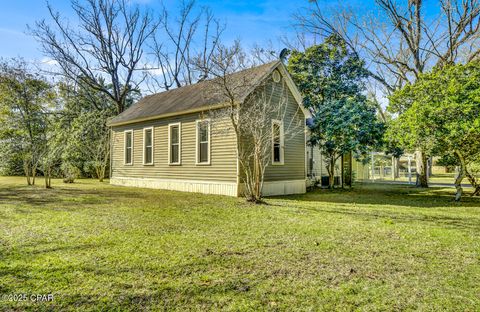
x=175 y=139
x=128 y=137
x=148 y=146
x=203 y=142
x=277 y=142
x=276 y=76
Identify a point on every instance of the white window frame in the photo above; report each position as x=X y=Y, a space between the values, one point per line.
x=179 y=124
x=125 y=148
x=282 y=143
x=197 y=142
x=144 y=147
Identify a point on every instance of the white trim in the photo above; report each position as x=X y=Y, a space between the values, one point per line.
x=282 y=143
x=125 y=148
x=280 y=66
x=270 y=188
x=192 y=186
x=160 y=116
x=197 y=150
x=307 y=161
x=153 y=146
x=170 y=125
x=293 y=88
x=237 y=160
x=284 y=187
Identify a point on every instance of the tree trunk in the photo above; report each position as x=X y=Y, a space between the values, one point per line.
x=393 y=168
x=100 y=170
x=48 y=179
x=460 y=176
x=430 y=167
x=350 y=170
x=473 y=181
x=331 y=173
x=26 y=170
x=258 y=193
x=421 y=163
x=34 y=174
x=397 y=167
x=342 y=176
x=476 y=192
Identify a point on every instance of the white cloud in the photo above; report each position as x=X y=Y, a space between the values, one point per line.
x=48 y=61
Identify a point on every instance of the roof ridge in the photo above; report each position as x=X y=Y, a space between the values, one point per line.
x=187 y=97
x=212 y=79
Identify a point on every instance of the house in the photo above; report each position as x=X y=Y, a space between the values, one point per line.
x=165 y=140
x=317 y=167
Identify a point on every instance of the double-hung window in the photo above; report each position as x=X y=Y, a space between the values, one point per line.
x=148 y=146
x=175 y=141
x=277 y=143
x=128 y=148
x=203 y=142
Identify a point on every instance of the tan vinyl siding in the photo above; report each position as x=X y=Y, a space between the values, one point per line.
x=223 y=165
x=293 y=167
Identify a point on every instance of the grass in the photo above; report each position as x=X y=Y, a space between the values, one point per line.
x=439 y=178
x=374 y=248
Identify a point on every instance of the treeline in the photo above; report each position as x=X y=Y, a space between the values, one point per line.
x=426 y=67
x=53 y=119
x=52 y=130
x=425 y=64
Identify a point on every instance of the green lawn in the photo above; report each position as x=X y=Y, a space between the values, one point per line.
x=439 y=178
x=375 y=248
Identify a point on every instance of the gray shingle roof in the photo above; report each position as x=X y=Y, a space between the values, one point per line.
x=191 y=97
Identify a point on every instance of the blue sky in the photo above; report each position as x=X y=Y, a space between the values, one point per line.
x=252 y=21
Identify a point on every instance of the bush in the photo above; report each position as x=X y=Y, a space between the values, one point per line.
x=70 y=172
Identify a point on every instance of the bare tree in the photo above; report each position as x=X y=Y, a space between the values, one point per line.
x=250 y=108
x=108 y=43
x=401 y=42
x=181 y=44
x=265 y=53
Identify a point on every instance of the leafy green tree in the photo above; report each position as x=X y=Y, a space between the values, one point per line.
x=25 y=102
x=91 y=137
x=443 y=116
x=332 y=81
x=86 y=146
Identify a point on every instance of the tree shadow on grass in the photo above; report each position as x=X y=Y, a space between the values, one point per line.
x=444 y=221
x=58 y=196
x=388 y=195
x=122 y=295
x=386 y=203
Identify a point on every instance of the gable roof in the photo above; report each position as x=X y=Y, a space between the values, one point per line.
x=195 y=97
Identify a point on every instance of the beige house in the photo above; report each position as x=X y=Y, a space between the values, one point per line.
x=166 y=140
